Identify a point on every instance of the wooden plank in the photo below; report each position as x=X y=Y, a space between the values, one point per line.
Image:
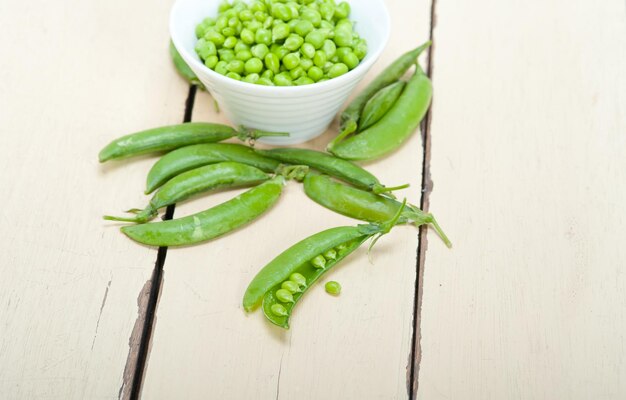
x=204 y=344
x=528 y=163
x=73 y=76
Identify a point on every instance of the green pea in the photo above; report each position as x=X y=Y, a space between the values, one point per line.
x=342 y=51
x=280 y=31
x=337 y=70
x=268 y=74
x=284 y=295
x=233 y=22
x=263 y=36
x=291 y=60
x=320 y=58
x=279 y=50
x=315 y=73
x=331 y=254
x=290 y=286
x=303 y=80
x=244 y=55
x=215 y=37
x=361 y=49
x=319 y=262
x=200 y=30
x=327 y=67
x=251 y=78
x=247 y=36
x=260 y=16
x=351 y=60
x=265 y=82
x=312 y=16
x=211 y=61
x=306 y=63
x=293 y=42
x=329 y=48
x=268 y=23
x=221 y=23
x=205 y=49
x=343 y=36
x=253 y=66
x=221 y=67
x=223 y=6
x=246 y=15
x=257 y=6
x=241 y=46
x=253 y=26
x=327 y=25
x=260 y=51
x=297 y=72
x=333 y=288
x=283 y=79
x=226 y=55
x=316 y=38
x=234 y=75
x=327 y=11
x=279 y=310
x=303 y=27
x=308 y=50
x=228 y=31
x=298 y=278
x=236 y=66
x=230 y=42
x=294 y=7
x=281 y=12
x=342 y=10
x=272 y=62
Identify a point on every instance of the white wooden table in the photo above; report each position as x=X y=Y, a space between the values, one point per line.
x=522 y=159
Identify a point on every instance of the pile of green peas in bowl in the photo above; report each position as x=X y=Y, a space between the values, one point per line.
x=280 y=43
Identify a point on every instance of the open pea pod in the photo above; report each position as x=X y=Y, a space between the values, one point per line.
x=283 y=282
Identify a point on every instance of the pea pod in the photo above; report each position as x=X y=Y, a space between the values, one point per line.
x=199 y=180
x=377 y=106
x=350 y=116
x=211 y=223
x=394 y=128
x=175 y=136
x=190 y=157
x=323 y=162
x=182 y=67
x=366 y=206
x=303 y=264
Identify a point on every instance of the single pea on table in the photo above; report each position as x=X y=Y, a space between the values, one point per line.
x=269 y=43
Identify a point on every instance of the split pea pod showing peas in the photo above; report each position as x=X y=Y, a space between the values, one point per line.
x=282 y=282
x=197 y=181
x=211 y=223
x=349 y=119
x=175 y=136
x=183 y=69
x=190 y=157
x=394 y=128
x=366 y=206
x=323 y=162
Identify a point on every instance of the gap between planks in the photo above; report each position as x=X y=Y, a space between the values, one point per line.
x=427 y=187
x=147 y=301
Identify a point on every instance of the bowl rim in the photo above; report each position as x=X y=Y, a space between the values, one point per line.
x=319 y=87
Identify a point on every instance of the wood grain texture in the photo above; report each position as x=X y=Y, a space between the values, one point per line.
x=354 y=346
x=73 y=76
x=529 y=168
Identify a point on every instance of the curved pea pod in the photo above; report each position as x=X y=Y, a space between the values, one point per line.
x=326 y=163
x=400 y=122
x=365 y=206
x=175 y=136
x=197 y=181
x=303 y=258
x=350 y=116
x=211 y=223
x=190 y=157
x=183 y=69
x=377 y=106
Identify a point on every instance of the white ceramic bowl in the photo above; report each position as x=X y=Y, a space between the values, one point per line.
x=303 y=111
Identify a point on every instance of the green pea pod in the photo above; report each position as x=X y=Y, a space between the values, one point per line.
x=350 y=116
x=303 y=264
x=323 y=162
x=183 y=69
x=377 y=106
x=175 y=136
x=400 y=122
x=200 y=180
x=211 y=223
x=366 y=206
x=190 y=157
